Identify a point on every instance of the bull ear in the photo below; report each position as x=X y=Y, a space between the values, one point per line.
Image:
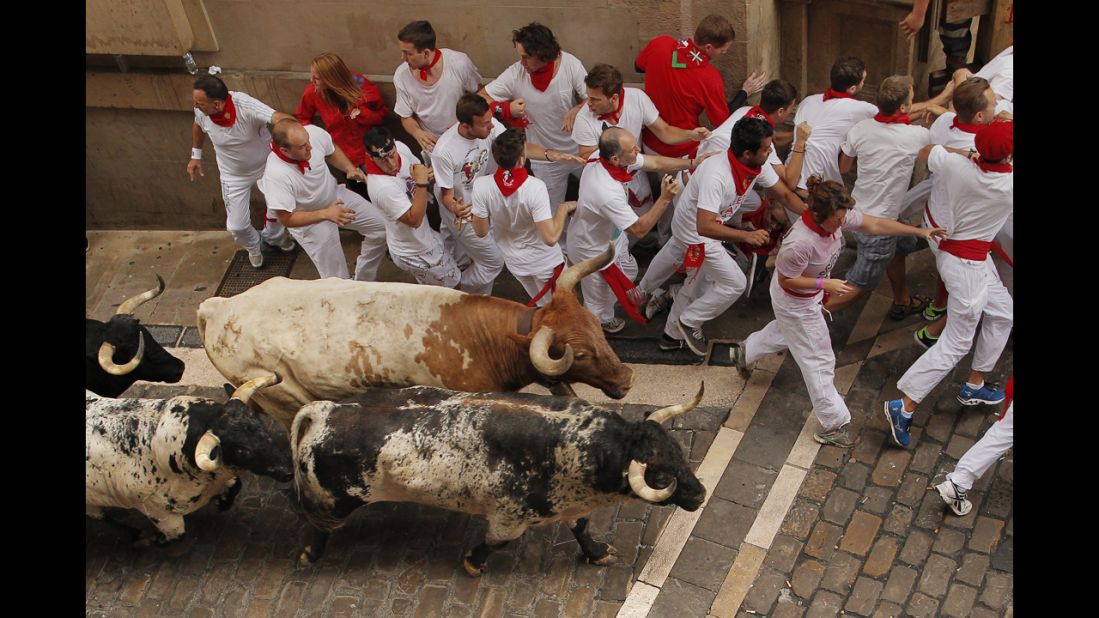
x=523 y=340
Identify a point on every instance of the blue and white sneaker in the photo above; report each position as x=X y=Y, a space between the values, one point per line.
x=898 y=423
x=973 y=396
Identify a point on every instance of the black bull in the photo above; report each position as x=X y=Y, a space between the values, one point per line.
x=516 y=459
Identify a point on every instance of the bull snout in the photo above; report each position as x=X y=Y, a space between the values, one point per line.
x=690 y=494
x=621 y=388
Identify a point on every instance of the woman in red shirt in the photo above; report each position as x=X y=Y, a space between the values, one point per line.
x=348 y=103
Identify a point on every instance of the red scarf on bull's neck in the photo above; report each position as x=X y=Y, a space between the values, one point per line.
x=228 y=113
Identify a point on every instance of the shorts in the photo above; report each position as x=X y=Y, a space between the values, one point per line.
x=875 y=252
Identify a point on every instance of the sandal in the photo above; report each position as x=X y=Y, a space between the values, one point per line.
x=916 y=304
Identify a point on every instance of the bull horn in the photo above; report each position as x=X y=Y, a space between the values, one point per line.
x=244 y=391
x=106 y=357
x=642 y=489
x=208 y=452
x=664 y=414
x=573 y=274
x=539 y=354
x=130 y=304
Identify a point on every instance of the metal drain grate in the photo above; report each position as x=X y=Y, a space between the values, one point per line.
x=240 y=276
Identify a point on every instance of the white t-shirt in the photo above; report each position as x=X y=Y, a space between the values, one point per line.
x=807 y=253
x=458 y=161
x=1000 y=73
x=392 y=195
x=886 y=155
x=638 y=112
x=719 y=139
x=513 y=224
x=545 y=110
x=286 y=188
x=713 y=189
x=241 y=149
x=602 y=213
x=944 y=134
x=830 y=121
x=980 y=201
x=435 y=104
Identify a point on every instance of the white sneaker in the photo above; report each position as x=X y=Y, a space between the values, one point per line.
x=614 y=326
x=954 y=497
x=256 y=259
x=658 y=303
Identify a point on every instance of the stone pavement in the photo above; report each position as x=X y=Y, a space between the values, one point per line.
x=789 y=528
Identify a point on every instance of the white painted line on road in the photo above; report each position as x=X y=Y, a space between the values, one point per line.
x=639 y=602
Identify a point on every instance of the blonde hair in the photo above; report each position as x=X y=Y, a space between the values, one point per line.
x=340 y=87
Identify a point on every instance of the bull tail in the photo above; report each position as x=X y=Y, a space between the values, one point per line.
x=317 y=515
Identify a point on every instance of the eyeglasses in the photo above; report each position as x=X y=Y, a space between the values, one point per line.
x=384 y=152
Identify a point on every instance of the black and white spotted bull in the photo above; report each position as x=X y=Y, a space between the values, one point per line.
x=333 y=339
x=517 y=459
x=120 y=352
x=169 y=457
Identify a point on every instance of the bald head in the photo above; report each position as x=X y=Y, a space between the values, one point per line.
x=292 y=139
x=616 y=142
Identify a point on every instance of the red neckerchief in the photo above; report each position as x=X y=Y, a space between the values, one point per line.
x=228 y=115
x=542 y=77
x=434 y=61
x=510 y=180
x=694 y=54
x=757 y=112
x=835 y=94
x=965 y=126
x=620 y=174
x=373 y=168
x=614 y=116
x=994 y=167
x=302 y=165
x=807 y=219
x=742 y=174
x=897 y=118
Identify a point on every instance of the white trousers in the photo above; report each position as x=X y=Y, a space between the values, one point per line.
x=1006 y=238
x=598 y=296
x=915 y=199
x=321 y=240
x=708 y=291
x=799 y=326
x=663 y=265
x=534 y=284
x=975 y=293
x=436 y=267
x=980 y=457
x=487 y=262
x=236 y=192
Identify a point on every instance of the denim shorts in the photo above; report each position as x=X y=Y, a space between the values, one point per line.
x=874 y=255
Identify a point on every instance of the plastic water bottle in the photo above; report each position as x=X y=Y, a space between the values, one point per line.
x=189 y=60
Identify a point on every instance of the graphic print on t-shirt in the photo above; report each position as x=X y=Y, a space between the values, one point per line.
x=475 y=159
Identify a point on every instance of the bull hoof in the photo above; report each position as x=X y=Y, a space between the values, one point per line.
x=605 y=559
x=472 y=570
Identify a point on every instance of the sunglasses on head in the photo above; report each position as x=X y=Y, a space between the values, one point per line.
x=385 y=151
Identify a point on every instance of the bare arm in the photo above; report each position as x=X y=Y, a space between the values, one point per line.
x=335 y=212
x=549 y=231
x=538 y=152
x=340 y=161
x=846 y=162
x=414 y=216
x=912 y=22
x=667 y=165
x=418 y=133
x=879 y=226
x=570 y=116
x=787 y=196
x=710 y=227
x=198 y=138
x=925 y=152
x=480 y=226
x=585 y=151
x=674 y=135
x=797 y=155
x=668 y=190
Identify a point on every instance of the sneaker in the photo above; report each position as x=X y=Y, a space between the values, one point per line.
x=923 y=338
x=898 y=423
x=614 y=326
x=658 y=303
x=738 y=354
x=696 y=341
x=668 y=343
x=286 y=246
x=974 y=396
x=256 y=259
x=836 y=437
x=954 y=497
x=932 y=313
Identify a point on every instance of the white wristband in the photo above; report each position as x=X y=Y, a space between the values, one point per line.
x=196 y=153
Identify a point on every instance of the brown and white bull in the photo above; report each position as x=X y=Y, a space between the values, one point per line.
x=517 y=459
x=332 y=339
